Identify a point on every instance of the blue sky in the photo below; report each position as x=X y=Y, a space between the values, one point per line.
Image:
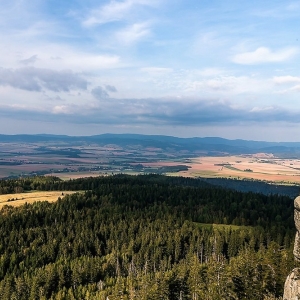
x=182 y=67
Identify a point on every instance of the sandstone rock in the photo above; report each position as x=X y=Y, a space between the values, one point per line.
x=292 y=283
x=297 y=213
x=297 y=219
x=296 y=251
x=292 y=286
x=297 y=203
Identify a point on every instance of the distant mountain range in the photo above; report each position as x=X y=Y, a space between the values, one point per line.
x=208 y=145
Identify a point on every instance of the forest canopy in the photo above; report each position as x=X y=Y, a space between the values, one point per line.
x=144 y=237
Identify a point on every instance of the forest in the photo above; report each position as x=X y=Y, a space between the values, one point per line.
x=144 y=237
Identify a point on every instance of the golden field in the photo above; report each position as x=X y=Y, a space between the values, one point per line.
x=22 y=198
x=259 y=166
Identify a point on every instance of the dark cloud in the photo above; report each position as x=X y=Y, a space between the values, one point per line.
x=111 y=88
x=35 y=79
x=99 y=93
x=214 y=112
x=30 y=60
x=159 y=112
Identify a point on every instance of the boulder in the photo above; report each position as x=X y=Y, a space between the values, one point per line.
x=292 y=286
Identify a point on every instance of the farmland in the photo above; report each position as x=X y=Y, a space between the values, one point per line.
x=259 y=167
x=70 y=157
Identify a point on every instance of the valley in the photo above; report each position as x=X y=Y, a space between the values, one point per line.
x=74 y=157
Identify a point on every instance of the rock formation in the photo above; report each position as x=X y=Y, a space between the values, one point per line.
x=292 y=283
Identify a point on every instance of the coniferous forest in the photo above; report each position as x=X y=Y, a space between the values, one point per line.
x=144 y=237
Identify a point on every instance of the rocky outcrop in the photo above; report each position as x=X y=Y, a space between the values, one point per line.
x=296 y=251
x=297 y=224
x=292 y=283
x=292 y=286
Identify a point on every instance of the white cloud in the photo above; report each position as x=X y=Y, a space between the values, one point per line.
x=133 y=33
x=226 y=85
x=263 y=109
x=209 y=72
x=58 y=57
x=264 y=55
x=286 y=79
x=296 y=88
x=157 y=70
x=61 y=109
x=114 y=11
x=90 y=62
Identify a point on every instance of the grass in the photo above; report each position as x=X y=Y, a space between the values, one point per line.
x=22 y=198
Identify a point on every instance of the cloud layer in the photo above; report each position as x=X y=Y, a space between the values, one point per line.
x=166 y=112
x=142 y=63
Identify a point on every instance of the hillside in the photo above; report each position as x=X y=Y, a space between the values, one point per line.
x=206 y=144
x=144 y=237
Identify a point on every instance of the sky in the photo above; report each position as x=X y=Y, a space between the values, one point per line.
x=227 y=68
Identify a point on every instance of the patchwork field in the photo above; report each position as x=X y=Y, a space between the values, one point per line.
x=22 y=198
x=70 y=160
x=258 y=166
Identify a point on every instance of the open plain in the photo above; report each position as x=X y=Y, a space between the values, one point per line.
x=74 y=157
x=258 y=166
